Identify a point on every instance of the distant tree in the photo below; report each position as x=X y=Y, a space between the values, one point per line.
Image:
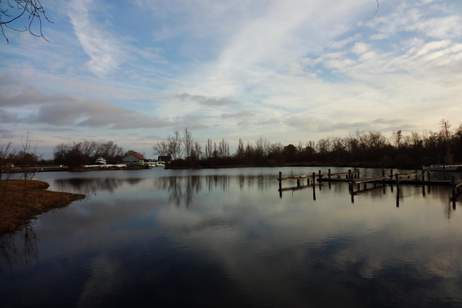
x=223 y=149
x=6 y=151
x=398 y=138
x=240 y=150
x=22 y=16
x=196 y=152
x=188 y=142
x=86 y=152
x=26 y=159
x=209 y=149
x=445 y=130
x=171 y=146
x=175 y=148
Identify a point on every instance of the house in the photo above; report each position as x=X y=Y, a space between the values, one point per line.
x=164 y=158
x=133 y=158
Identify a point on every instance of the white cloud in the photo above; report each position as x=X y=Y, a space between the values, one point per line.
x=100 y=46
x=341 y=64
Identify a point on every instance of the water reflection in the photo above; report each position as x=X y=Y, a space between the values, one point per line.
x=207 y=240
x=93 y=185
x=182 y=189
x=18 y=248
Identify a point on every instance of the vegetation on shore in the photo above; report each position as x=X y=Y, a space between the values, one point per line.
x=21 y=201
x=371 y=149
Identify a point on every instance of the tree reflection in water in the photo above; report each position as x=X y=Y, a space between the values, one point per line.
x=93 y=185
x=182 y=189
x=18 y=248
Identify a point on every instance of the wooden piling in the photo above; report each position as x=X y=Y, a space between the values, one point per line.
x=280 y=180
x=314 y=188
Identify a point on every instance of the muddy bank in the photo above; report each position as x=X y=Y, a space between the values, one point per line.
x=22 y=201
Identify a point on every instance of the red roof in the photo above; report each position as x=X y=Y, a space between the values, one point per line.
x=137 y=155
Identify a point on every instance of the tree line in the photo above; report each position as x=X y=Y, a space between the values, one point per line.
x=20 y=158
x=370 y=149
x=86 y=152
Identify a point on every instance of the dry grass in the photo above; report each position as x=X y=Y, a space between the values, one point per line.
x=21 y=201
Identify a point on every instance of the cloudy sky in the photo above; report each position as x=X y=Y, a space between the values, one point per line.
x=134 y=71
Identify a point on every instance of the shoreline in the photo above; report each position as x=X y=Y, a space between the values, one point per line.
x=183 y=165
x=22 y=201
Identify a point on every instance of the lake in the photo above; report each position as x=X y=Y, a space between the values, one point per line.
x=225 y=238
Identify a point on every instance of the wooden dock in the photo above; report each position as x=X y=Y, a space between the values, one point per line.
x=358 y=184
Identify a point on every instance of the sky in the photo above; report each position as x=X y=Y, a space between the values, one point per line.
x=293 y=70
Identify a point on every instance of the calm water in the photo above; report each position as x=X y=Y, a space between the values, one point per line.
x=224 y=238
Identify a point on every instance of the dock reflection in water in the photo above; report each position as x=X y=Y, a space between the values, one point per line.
x=225 y=238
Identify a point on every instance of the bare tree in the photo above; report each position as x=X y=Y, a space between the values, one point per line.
x=175 y=148
x=171 y=146
x=27 y=159
x=161 y=148
x=28 y=15
x=209 y=149
x=445 y=129
x=188 y=142
x=223 y=148
x=6 y=151
x=196 y=152
x=398 y=138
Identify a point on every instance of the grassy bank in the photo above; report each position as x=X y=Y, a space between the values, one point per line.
x=21 y=201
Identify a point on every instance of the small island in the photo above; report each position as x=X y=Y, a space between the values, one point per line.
x=21 y=201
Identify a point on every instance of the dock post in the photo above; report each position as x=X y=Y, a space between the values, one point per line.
x=314 y=179
x=307 y=180
x=391 y=174
x=453 y=185
x=349 y=174
x=298 y=182
x=397 y=189
x=314 y=188
x=328 y=174
x=280 y=180
x=423 y=182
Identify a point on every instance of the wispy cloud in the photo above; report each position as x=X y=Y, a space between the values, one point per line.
x=102 y=48
x=59 y=110
x=240 y=68
x=205 y=100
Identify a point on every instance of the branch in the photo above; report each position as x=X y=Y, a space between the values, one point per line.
x=13 y=11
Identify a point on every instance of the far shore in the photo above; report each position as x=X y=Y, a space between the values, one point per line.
x=21 y=201
x=182 y=164
x=204 y=164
